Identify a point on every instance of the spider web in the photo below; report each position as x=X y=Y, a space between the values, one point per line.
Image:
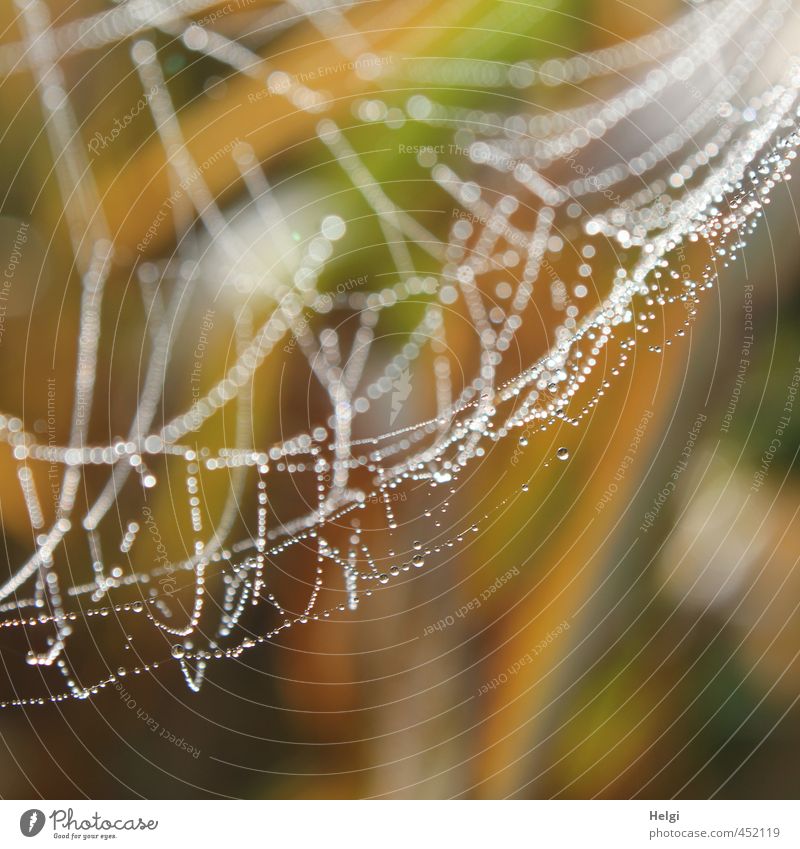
x=653 y=158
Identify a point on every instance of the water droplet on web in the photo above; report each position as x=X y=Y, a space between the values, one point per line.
x=333 y=227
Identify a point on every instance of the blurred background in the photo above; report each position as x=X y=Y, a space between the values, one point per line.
x=623 y=624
